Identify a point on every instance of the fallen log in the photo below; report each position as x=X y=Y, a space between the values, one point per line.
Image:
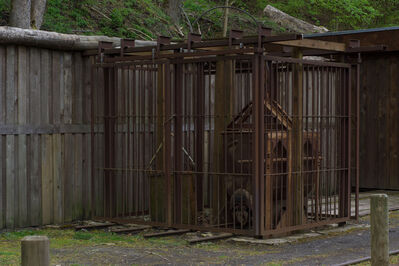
x=55 y=40
x=291 y=23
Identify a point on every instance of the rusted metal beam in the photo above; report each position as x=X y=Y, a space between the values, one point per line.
x=210 y=238
x=130 y=229
x=314 y=44
x=203 y=44
x=93 y=226
x=167 y=233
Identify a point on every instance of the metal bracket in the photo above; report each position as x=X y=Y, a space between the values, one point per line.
x=162 y=40
x=263 y=32
x=102 y=45
x=353 y=44
x=235 y=35
x=126 y=43
x=192 y=38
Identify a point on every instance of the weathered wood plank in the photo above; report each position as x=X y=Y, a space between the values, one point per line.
x=57 y=66
x=10 y=182
x=86 y=175
x=77 y=175
x=22 y=180
x=58 y=173
x=86 y=115
x=2 y=183
x=68 y=178
x=34 y=81
x=45 y=83
x=23 y=103
x=34 y=154
x=11 y=100
x=393 y=126
x=77 y=89
x=3 y=68
x=35 y=207
x=67 y=80
x=47 y=179
x=11 y=92
x=2 y=138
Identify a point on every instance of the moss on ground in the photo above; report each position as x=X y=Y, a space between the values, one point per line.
x=63 y=239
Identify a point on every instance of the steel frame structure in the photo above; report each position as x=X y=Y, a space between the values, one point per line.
x=223 y=135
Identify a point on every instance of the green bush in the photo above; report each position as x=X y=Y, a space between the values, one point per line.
x=145 y=19
x=334 y=14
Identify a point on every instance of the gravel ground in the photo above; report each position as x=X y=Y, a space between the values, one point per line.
x=328 y=249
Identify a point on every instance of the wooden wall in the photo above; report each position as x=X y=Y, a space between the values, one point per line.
x=379 y=121
x=45 y=140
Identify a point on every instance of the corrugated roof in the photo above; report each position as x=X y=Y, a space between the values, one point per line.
x=332 y=33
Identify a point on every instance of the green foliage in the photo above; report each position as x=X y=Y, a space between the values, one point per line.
x=4 y=11
x=145 y=19
x=334 y=14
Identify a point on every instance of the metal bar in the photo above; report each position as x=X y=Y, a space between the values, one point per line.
x=179 y=55
x=167 y=143
x=349 y=89
x=258 y=142
x=204 y=44
x=178 y=83
x=357 y=139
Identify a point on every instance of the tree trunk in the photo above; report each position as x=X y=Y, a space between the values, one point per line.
x=226 y=19
x=291 y=23
x=174 y=10
x=37 y=13
x=54 y=40
x=20 y=14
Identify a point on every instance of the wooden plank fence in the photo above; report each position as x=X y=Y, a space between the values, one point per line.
x=45 y=137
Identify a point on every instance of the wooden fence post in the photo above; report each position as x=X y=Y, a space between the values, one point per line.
x=35 y=251
x=379 y=230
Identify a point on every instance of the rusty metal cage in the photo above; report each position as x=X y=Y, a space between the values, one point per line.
x=233 y=139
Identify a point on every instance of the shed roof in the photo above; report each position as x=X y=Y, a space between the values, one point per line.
x=388 y=36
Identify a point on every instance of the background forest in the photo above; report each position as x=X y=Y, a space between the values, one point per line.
x=145 y=19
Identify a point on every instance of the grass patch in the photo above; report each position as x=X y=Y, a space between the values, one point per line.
x=393 y=260
x=10 y=247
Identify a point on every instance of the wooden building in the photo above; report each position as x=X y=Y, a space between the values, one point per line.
x=379 y=105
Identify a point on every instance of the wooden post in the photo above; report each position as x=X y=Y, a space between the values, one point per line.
x=296 y=141
x=379 y=230
x=224 y=93
x=157 y=187
x=35 y=251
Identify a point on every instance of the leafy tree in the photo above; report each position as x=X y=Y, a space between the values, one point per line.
x=174 y=10
x=334 y=14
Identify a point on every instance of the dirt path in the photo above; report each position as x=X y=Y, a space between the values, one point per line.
x=325 y=249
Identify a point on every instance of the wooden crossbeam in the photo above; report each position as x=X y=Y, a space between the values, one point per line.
x=314 y=44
